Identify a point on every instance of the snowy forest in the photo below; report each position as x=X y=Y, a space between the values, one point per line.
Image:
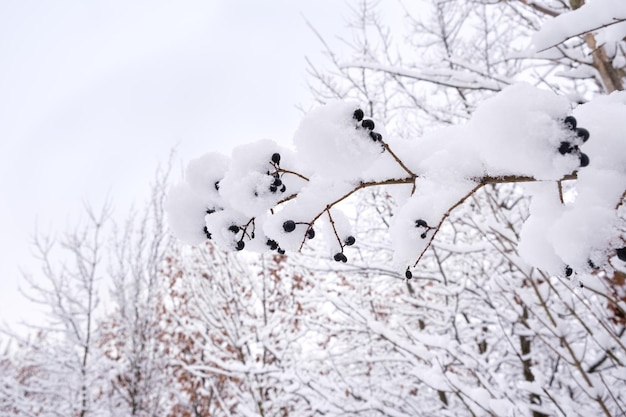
x=445 y=237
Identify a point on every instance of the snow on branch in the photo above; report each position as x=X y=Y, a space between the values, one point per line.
x=267 y=197
x=441 y=76
x=590 y=17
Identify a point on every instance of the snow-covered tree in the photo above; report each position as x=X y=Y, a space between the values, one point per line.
x=241 y=325
x=138 y=368
x=496 y=192
x=56 y=372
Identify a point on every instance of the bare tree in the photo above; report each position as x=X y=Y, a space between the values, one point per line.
x=138 y=366
x=59 y=374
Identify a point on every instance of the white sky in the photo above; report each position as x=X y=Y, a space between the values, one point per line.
x=94 y=94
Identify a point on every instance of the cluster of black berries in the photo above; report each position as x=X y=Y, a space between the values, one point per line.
x=273 y=245
x=367 y=124
x=210 y=211
x=277 y=184
x=581 y=135
x=340 y=256
x=421 y=224
x=240 y=243
x=621 y=255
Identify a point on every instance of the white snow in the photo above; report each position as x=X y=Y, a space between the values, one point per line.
x=592 y=15
x=516 y=133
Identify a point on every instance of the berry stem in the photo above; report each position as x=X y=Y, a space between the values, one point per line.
x=399 y=161
x=286 y=171
x=445 y=216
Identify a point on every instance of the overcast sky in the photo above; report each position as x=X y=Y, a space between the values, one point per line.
x=94 y=94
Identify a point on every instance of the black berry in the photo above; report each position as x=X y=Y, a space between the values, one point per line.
x=283 y=188
x=276 y=158
x=568 y=271
x=584 y=160
x=408 y=274
x=340 y=257
x=234 y=228
x=621 y=254
x=570 y=122
x=310 y=233
x=240 y=245
x=272 y=244
x=423 y=235
x=358 y=115
x=565 y=147
x=376 y=137
x=350 y=240
x=273 y=188
x=217 y=185
x=421 y=223
x=368 y=124
x=289 y=226
x=277 y=182
x=210 y=211
x=281 y=251
x=582 y=133
x=207 y=233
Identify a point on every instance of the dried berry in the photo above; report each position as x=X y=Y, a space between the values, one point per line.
x=565 y=148
x=368 y=124
x=583 y=134
x=289 y=226
x=421 y=223
x=340 y=257
x=570 y=122
x=584 y=160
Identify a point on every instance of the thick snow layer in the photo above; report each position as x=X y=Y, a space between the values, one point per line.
x=266 y=193
x=517 y=132
x=186 y=210
x=204 y=173
x=589 y=227
x=335 y=145
x=594 y=14
x=535 y=247
x=430 y=202
x=247 y=184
